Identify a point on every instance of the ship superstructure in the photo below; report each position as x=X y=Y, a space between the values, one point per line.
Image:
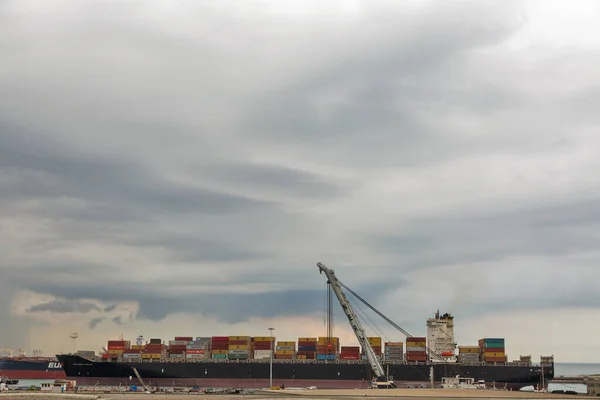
x=440 y=338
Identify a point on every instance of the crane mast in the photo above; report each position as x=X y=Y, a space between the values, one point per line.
x=355 y=324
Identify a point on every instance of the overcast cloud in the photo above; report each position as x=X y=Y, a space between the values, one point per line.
x=179 y=168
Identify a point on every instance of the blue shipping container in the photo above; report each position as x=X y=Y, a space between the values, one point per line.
x=493 y=340
x=307 y=348
x=325 y=356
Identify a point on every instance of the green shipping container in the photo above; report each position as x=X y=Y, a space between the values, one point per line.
x=494 y=345
x=220 y=356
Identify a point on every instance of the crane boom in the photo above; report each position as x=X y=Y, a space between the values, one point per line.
x=354 y=322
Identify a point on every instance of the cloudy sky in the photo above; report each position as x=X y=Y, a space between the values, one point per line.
x=178 y=168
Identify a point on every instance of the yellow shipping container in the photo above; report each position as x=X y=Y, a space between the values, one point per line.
x=494 y=354
x=116 y=351
x=285 y=352
x=323 y=340
x=239 y=347
x=301 y=357
x=373 y=339
x=415 y=344
x=308 y=339
x=137 y=347
x=155 y=355
x=468 y=349
x=286 y=343
x=146 y=355
x=264 y=339
x=219 y=352
x=395 y=344
x=239 y=338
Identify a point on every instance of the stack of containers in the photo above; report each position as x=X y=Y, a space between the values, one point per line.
x=328 y=348
x=349 y=353
x=219 y=347
x=263 y=346
x=307 y=348
x=394 y=351
x=416 y=349
x=134 y=353
x=116 y=348
x=239 y=348
x=375 y=343
x=492 y=350
x=468 y=354
x=177 y=347
x=153 y=350
x=285 y=350
x=199 y=348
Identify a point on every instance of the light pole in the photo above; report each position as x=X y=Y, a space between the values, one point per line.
x=271 y=358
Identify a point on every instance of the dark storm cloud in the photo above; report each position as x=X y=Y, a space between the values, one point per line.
x=539 y=230
x=110 y=308
x=64 y=306
x=94 y=322
x=227 y=306
x=105 y=180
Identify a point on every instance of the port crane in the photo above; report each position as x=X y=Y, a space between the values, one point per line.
x=381 y=380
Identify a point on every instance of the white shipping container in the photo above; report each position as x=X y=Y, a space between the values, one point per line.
x=415 y=348
x=131 y=355
x=196 y=356
x=258 y=354
x=178 y=342
x=196 y=347
x=176 y=355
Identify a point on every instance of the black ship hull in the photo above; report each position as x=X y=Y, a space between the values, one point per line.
x=255 y=374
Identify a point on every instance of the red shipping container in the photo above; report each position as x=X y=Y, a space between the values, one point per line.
x=151 y=352
x=220 y=339
x=416 y=339
x=116 y=343
x=132 y=351
x=493 y=350
x=284 y=356
x=194 y=351
x=177 y=347
x=184 y=338
x=116 y=347
x=176 y=351
x=348 y=357
x=105 y=356
x=238 y=342
x=350 y=348
x=416 y=358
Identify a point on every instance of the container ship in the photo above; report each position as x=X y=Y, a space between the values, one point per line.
x=244 y=362
x=253 y=362
x=23 y=367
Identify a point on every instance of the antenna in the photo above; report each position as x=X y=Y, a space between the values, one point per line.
x=74 y=336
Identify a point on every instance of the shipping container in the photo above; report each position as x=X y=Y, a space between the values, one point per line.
x=492 y=350
x=468 y=349
x=247 y=338
x=286 y=343
x=285 y=352
x=301 y=356
x=494 y=354
x=292 y=348
x=264 y=338
x=219 y=351
x=495 y=359
x=132 y=351
x=183 y=338
x=204 y=338
x=178 y=343
x=279 y=356
x=155 y=341
x=310 y=340
x=178 y=355
x=115 y=351
x=349 y=357
x=193 y=351
x=131 y=355
x=219 y=356
x=137 y=346
x=260 y=354
x=220 y=339
x=350 y=348
x=325 y=357
x=416 y=348
x=117 y=342
x=196 y=356
x=307 y=348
